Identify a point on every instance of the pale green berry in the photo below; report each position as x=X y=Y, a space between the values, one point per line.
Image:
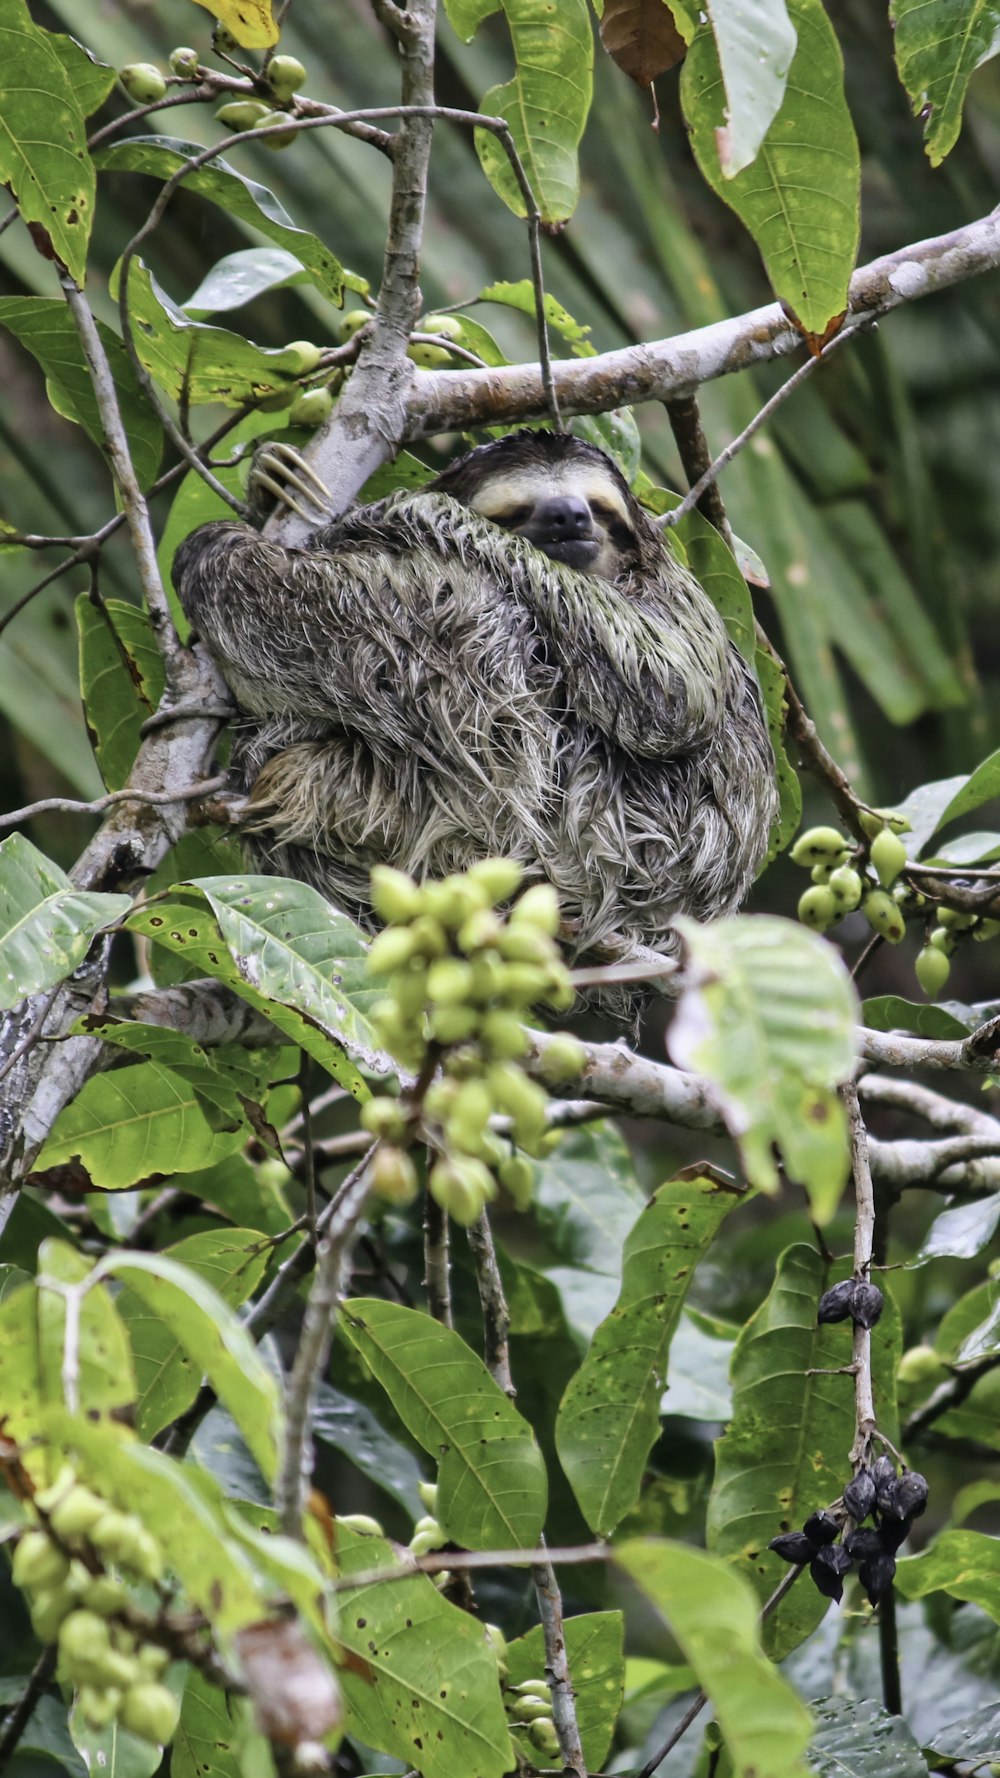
x=932 y=969
x=499 y=878
x=241 y=114
x=941 y=938
x=396 y=898
x=38 y=1563
x=393 y=1176
x=184 y=62
x=448 y=326
x=538 y=907
x=883 y=916
x=563 y=1058
x=362 y=1524
x=353 y=322
x=888 y=856
x=280 y=138
x=285 y=74
x=428 y=1492
x=427 y=356
x=517 y=1176
x=956 y=918
x=818 y=908
x=312 y=408
x=846 y=887
x=819 y=845
x=143 y=82
x=150 y=1711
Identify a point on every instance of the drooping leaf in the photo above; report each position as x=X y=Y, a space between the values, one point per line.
x=712 y=1614
x=641 y=38
x=46 y=926
x=755 y=51
x=799 y=199
x=768 y=1017
x=121 y=681
x=596 y=1659
x=420 y=1679
x=587 y=1198
x=782 y=1456
x=162 y=156
x=43 y=139
x=45 y=328
x=251 y=22
x=491 y=1477
x=609 y=1416
x=937 y=50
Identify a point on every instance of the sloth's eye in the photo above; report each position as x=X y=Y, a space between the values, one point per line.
x=513 y=518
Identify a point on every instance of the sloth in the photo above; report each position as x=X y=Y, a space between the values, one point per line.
x=508 y=662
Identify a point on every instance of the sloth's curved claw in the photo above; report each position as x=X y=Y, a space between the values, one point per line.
x=279 y=468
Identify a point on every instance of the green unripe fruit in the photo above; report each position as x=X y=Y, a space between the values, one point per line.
x=312 y=408
x=429 y=937
x=532 y=1688
x=116 y=1669
x=448 y=326
x=38 y=1563
x=353 y=322
x=908 y=898
x=525 y=1102
x=76 y=1513
x=872 y=821
x=531 y=1709
x=409 y=990
x=517 y=1176
x=503 y=1037
x=184 y=61
x=428 y=1492
x=241 y=114
x=563 y=1058
x=499 y=878
x=543 y=1735
x=384 y=1117
x=883 y=916
x=391 y=950
x=525 y=983
x=122 y=1538
x=452 y=901
x=306 y=356
x=525 y=944
x=152 y=1660
x=538 y=907
x=955 y=918
x=281 y=138
x=85 y=1645
x=143 y=82
x=932 y=969
x=439 y=1099
x=286 y=74
x=921 y=1364
x=480 y=930
x=819 y=845
x=428 y=1523
x=470 y=1113
x=103 y=1595
x=429 y=357
x=498 y=1643
x=818 y=908
x=150 y=1711
x=49 y=1608
x=99 y=1705
x=453 y=1024
x=423 y=1543
x=986 y=929
x=888 y=856
x=462 y=1186
x=821 y=873
x=449 y=981
x=393 y=1176
x=361 y=1523
x=941 y=938
x=396 y=898
x=846 y=887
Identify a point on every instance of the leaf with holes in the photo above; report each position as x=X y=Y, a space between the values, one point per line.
x=938 y=48
x=43 y=139
x=46 y=926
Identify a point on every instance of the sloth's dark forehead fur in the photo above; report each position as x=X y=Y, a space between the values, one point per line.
x=540 y=456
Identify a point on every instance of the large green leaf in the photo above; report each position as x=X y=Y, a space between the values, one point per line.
x=238 y=196
x=211 y=1732
x=284 y=949
x=784 y=1453
x=33 y=1358
x=800 y=197
x=965 y=1564
x=768 y=1016
x=419 y=1678
x=855 y=1738
x=755 y=50
x=121 y=680
x=178 y=1308
x=712 y=1614
x=609 y=1417
x=587 y=1198
x=45 y=328
x=596 y=1661
x=938 y=47
x=546 y=103
x=491 y=1477
x=90 y=79
x=46 y=926
x=43 y=138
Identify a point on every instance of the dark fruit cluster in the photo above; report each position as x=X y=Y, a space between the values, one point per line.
x=461 y=978
x=74 y=1568
x=853 y=1300
x=891 y=1500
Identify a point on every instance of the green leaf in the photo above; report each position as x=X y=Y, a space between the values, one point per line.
x=352 y=1429
x=161 y=157
x=121 y=681
x=888 y=1012
x=937 y=50
x=972 y=1739
x=962 y=1232
x=200 y=362
x=181 y=1506
x=178 y=1308
x=755 y=53
x=239 y=277
x=46 y=926
x=587 y=1198
x=546 y=103
x=800 y=197
x=32 y=1337
x=768 y=1017
x=45 y=328
x=43 y=139
x=783 y=1454
x=596 y=1660
x=712 y=1614
x=47 y=1737
x=981 y=786
x=521 y=295
x=283 y=948
x=855 y=1738
x=772 y=685
x=964 y=1564
x=491 y=1477
x=90 y=79
x=609 y=1418
x=420 y=1680
x=211 y=1732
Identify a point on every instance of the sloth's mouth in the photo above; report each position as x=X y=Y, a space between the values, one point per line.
x=576 y=552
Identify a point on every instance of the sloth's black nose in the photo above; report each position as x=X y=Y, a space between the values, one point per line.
x=561 y=517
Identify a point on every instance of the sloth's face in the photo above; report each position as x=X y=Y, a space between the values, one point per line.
x=572 y=512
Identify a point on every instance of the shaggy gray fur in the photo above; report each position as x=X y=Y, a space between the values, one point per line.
x=422 y=688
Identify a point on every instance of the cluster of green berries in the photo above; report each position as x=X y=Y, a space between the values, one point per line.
x=839 y=886
x=278 y=83
x=529 y=1713
x=461 y=978
x=425 y=352
x=73 y=1567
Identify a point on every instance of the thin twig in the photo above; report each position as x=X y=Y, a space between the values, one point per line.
x=155 y=798
x=437 y=1261
x=689 y=437
x=864 y=1236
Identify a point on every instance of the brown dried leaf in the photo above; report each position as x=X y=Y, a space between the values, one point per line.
x=641 y=38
